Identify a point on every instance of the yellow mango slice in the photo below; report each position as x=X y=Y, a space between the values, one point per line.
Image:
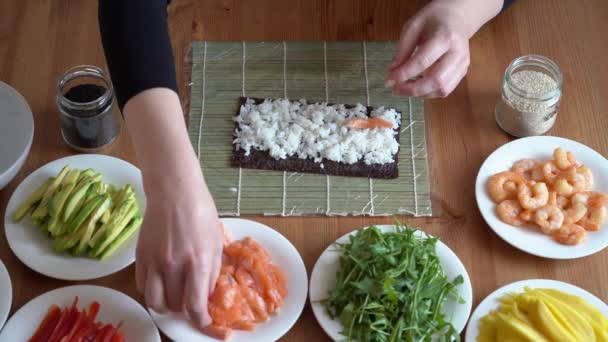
x=569 y=318
x=598 y=321
x=510 y=328
x=543 y=315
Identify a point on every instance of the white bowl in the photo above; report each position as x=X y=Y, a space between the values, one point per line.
x=16 y=133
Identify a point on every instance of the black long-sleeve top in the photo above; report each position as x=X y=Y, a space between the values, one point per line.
x=136 y=42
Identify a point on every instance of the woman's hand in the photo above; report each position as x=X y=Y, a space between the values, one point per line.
x=179 y=248
x=180 y=243
x=432 y=55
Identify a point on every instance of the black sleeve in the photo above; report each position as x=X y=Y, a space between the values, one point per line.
x=137 y=46
x=506 y=4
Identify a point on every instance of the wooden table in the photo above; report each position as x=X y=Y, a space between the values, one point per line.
x=41 y=39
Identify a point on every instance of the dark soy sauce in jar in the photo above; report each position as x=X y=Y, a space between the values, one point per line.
x=88 y=122
x=85 y=93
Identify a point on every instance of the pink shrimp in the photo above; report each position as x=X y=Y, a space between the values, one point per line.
x=550 y=172
x=503 y=186
x=509 y=211
x=594 y=218
x=574 y=213
x=527 y=168
x=550 y=218
x=533 y=197
x=564 y=159
x=587 y=174
x=570 y=234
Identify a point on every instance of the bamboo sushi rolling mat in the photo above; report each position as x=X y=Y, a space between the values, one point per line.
x=335 y=72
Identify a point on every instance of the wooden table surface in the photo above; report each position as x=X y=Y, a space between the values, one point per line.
x=40 y=39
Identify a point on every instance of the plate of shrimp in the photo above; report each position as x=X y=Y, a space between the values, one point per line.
x=546 y=196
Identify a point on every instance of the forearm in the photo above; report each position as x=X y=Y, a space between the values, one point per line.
x=157 y=128
x=474 y=13
x=137 y=46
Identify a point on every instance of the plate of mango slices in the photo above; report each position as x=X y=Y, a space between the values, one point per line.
x=539 y=310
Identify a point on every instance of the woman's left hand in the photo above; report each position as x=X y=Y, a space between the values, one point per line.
x=432 y=55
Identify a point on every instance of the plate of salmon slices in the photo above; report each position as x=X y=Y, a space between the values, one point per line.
x=260 y=292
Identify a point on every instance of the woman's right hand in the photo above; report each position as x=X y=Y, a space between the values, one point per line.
x=179 y=248
x=180 y=244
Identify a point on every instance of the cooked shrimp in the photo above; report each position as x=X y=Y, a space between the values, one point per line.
x=526 y=215
x=533 y=197
x=570 y=234
x=552 y=198
x=362 y=123
x=595 y=217
x=562 y=202
x=574 y=213
x=587 y=174
x=563 y=159
x=591 y=198
x=562 y=187
x=550 y=218
x=525 y=167
x=504 y=185
x=550 y=172
x=575 y=179
x=509 y=211
x=537 y=174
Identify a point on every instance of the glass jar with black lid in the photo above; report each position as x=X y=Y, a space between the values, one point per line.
x=85 y=98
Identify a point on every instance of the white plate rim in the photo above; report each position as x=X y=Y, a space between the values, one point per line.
x=6 y=298
x=299 y=267
x=30 y=138
x=124 y=257
x=331 y=327
x=490 y=302
x=66 y=294
x=481 y=197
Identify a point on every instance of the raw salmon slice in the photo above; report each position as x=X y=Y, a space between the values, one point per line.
x=362 y=123
x=248 y=291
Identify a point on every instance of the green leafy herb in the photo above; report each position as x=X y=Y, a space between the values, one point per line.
x=391 y=287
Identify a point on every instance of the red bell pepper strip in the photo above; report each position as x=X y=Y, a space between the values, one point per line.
x=93 y=310
x=77 y=324
x=108 y=329
x=66 y=322
x=107 y=337
x=64 y=315
x=47 y=325
x=86 y=332
x=118 y=338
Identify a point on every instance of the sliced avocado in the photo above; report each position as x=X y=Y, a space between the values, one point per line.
x=122 y=237
x=29 y=202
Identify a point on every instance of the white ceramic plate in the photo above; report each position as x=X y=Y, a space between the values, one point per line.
x=114 y=307
x=323 y=279
x=491 y=302
x=16 y=132
x=6 y=294
x=282 y=253
x=35 y=250
x=532 y=240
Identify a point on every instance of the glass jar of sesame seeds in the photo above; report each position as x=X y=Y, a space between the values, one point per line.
x=530 y=95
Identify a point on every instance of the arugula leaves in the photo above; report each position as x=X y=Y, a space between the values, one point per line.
x=391 y=287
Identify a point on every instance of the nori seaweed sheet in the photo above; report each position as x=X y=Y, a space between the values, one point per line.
x=262 y=160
